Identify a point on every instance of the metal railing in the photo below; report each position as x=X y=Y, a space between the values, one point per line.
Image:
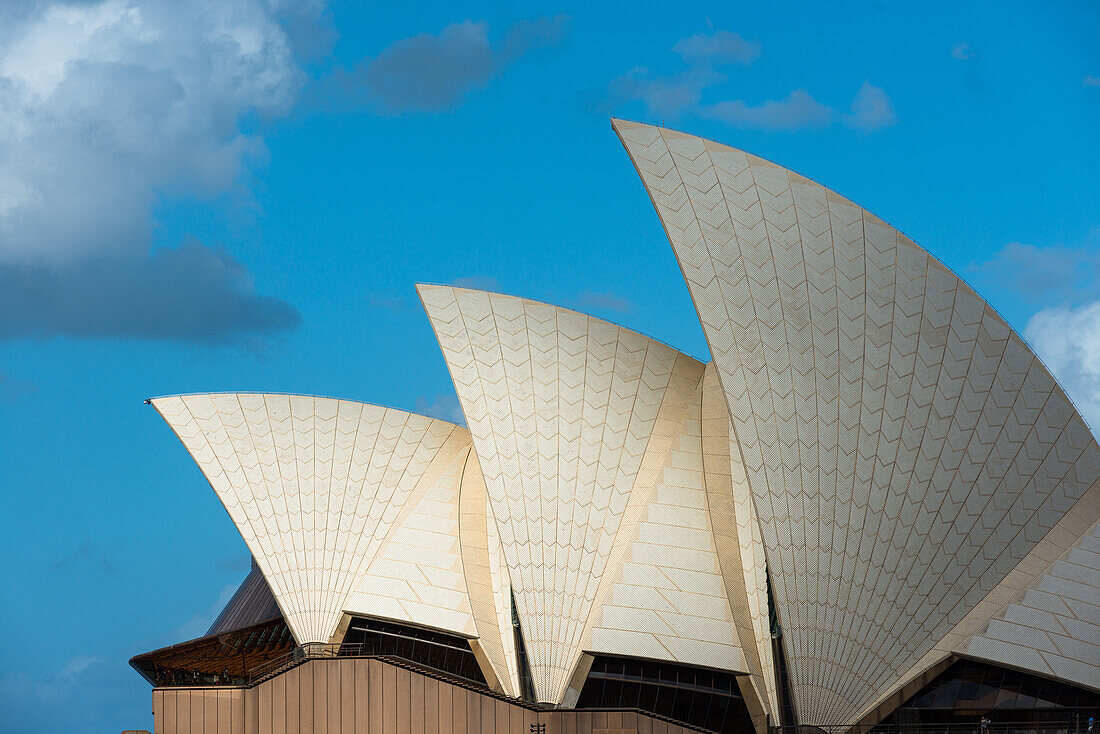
x=1061 y=722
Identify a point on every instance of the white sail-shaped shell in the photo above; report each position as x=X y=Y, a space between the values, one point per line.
x=905 y=449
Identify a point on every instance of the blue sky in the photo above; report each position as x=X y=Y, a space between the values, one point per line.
x=205 y=197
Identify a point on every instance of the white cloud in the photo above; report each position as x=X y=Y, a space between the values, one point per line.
x=963 y=51
x=669 y=97
x=106 y=108
x=434 y=72
x=721 y=47
x=107 y=105
x=1091 y=81
x=797 y=111
x=443 y=406
x=871 y=109
x=1068 y=342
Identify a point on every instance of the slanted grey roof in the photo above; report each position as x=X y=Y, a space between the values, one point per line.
x=252 y=603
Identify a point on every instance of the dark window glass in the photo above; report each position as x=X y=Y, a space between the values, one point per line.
x=526 y=684
x=682 y=709
x=968 y=690
x=782 y=680
x=436 y=650
x=945 y=696
x=647 y=697
x=696 y=696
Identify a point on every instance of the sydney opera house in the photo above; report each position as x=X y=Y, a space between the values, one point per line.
x=873 y=509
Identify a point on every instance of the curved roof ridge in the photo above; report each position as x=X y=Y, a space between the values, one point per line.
x=565 y=309
x=615 y=121
x=151 y=400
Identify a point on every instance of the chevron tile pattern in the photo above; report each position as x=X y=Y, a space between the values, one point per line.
x=562 y=408
x=314 y=485
x=417 y=573
x=1053 y=628
x=668 y=599
x=903 y=448
x=1067 y=533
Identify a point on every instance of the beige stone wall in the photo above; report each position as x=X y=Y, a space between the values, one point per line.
x=199 y=710
x=371 y=697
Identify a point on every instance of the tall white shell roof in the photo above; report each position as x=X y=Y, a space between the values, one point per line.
x=904 y=448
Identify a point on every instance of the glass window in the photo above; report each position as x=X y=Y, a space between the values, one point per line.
x=436 y=650
x=695 y=696
x=968 y=690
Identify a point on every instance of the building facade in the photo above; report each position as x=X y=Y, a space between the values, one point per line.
x=873 y=507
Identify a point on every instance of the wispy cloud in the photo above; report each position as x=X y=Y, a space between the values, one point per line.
x=435 y=72
x=666 y=97
x=388 y=302
x=704 y=57
x=1068 y=342
x=1090 y=81
x=525 y=35
x=12 y=388
x=78 y=665
x=971 y=58
x=871 y=109
x=1058 y=274
x=87 y=693
x=443 y=406
x=605 y=301
x=721 y=47
x=477 y=282
x=796 y=111
x=680 y=93
x=86 y=556
x=200 y=623
x=235 y=563
x=109 y=107
x=963 y=51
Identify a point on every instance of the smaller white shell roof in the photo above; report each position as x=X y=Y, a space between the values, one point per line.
x=573 y=420
x=314 y=485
